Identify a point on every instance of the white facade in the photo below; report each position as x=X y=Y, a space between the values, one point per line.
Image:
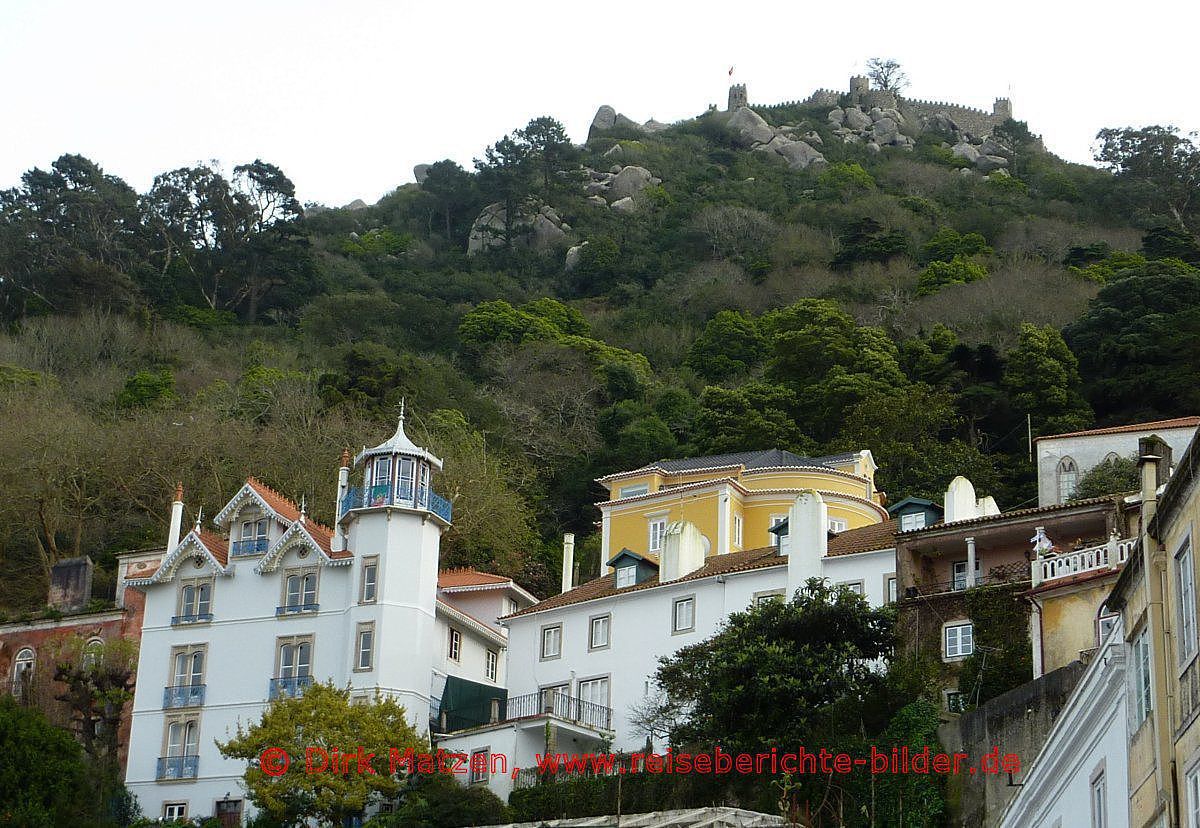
x=643 y=625
x=230 y=624
x=1082 y=769
x=1063 y=459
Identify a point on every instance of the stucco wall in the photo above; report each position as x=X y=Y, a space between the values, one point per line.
x=1089 y=451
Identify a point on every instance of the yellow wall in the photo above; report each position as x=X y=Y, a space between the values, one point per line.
x=1069 y=623
x=1181 y=531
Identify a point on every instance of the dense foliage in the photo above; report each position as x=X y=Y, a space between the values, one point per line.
x=212 y=327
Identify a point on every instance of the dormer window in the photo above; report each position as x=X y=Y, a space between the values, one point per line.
x=254 y=537
x=626 y=576
x=634 y=490
x=913 y=520
x=837 y=525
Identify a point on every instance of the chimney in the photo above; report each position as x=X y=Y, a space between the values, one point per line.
x=71 y=584
x=176 y=519
x=568 y=562
x=682 y=551
x=960 y=502
x=1154 y=467
x=808 y=539
x=338 y=544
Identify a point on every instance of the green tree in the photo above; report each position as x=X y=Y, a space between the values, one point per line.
x=886 y=73
x=148 y=389
x=730 y=345
x=322 y=718
x=958 y=271
x=43 y=772
x=550 y=152
x=1003 y=658
x=1165 y=165
x=1113 y=476
x=751 y=417
x=844 y=180
x=1042 y=377
x=504 y=175
x=454 y=194
x=1171 y=243
x=947 y=243
x=498 y=321
x=439 y=801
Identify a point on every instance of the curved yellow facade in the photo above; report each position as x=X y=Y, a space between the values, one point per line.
x=733 y=506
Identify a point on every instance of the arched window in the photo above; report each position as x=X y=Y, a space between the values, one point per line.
x=22 y=676
x=1068 y=479
x=92 y=651
x=1111 y=457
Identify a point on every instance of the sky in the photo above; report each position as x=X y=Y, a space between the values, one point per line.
x=346 y=97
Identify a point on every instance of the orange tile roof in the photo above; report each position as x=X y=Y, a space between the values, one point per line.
x=1176 y=422
x=215 y=544
x=284 y=507
x=864 y=539
x=465 y=576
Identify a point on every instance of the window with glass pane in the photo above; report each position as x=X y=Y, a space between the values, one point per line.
x=490 y=667
x=552 y=641
x=658 y=529
x=1099 y=803
x=960 y=640
x=1186 y=603
x=203 y=599
x=455 y=645
x=892 y=592
x=626 y=576
x=404 y=478
x=684 y=616
x=599 y=634
x=381 y=471
x=775 y=521
x=370 y=574
x=366 y=645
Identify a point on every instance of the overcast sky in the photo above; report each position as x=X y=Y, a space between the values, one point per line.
x=347 y=95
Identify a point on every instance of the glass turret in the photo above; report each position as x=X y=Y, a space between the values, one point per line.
x=396 y=473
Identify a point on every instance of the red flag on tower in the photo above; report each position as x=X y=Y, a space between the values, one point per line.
x=731 y=71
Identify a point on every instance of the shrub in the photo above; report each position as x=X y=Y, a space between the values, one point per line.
x=958 y=271
x=842 y=180
x=947 y=243
x=148 y=389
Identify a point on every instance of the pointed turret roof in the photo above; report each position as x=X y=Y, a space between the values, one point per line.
x=399 y=443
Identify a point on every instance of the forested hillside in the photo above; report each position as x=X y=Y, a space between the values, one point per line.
x=212 y=327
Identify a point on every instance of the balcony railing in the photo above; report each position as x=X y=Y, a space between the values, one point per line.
x=1014 y=573
x=287 y=688
x=296 y=609
x=251 y=546
x=183 y=695
x=419 y=497
x=177 y=767
x=191 y=618
x=1105 y=556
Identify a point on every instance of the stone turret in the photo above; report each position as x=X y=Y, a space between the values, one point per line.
x=1002 y=109
x=737 y=97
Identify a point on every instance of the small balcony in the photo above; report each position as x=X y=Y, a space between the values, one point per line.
x=251 y=546
x=288 y=688
x=183 y=695
x=191 y=618
x=1110 y=556
x=531 y=706
x=997 y=575
x=422 y=497
x=295 y=609
x=171 y=768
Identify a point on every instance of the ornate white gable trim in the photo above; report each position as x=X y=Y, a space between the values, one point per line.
x=247 y=492
x=191 y=546
x=297 y=535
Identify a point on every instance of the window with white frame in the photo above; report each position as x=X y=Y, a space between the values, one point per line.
x=365 y=650
x=658 y=529
x=594 y=691
x=295 y=657
x=370 y=580
x=1193 y=796
x=775 y=521
x=683 y=614
x=913 y=520
x=254 y=535
x=959 y=581
x=404 y=479
x=891 y=585
x=1185 y=604
x=598 y=635
x=174 y=810
x=626 y=576
x=491 y=665
x=552 y=641
x=382 y=472
x=959 y=640
x=854 y=586
x=1104 y=625
x=300 y=590
x=195 y=599
x=1068 y=478
x=768 y=597
x=737 y=530
x=633 y=490
x=454 y=652
x=1140 y=676
x=188 y=665
x=478 y=766
x=1099 y=801
x=837 y=525
x=183 y=736
x=22 y=674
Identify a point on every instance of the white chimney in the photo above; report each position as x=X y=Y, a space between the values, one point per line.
x=682 y=551
x=176 y=519
x=568 y=563
x=960 y=502
x=338 y=543
x=808 y=539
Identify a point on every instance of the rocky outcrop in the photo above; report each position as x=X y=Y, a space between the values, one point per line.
x=876 y=128
x=630 y=181
x=750 y=130
x=619 y=184
x=538 y=227
x=420 y=172
x=607 y=118
x=571 y=260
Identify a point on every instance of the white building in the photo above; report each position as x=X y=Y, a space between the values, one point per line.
x=1080 y=776
x=1063 y=459
x=582 y=661
x=271 y=601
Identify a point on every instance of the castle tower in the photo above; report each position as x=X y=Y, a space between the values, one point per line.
x=396 y=519
x=859 y=85
x=1002 y=109
x=737 y=97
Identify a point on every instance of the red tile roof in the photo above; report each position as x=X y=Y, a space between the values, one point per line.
x=1176 y=422
x=465 y=576
x=1016 y=513
x=215 y=544
x=284 y=507
x=864 y=539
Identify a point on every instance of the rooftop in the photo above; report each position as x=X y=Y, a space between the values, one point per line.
x=1153 y=425
x=764 y=459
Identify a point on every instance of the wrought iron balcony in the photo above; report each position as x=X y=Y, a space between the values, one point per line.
x=544 y=703
x=252 y=546
x=296 y=609
x=288 y=688
x=183 y=695
x=191 y=618
x=177 y=767
x=420 y=497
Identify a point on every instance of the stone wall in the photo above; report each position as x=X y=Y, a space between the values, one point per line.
x=1016 y=722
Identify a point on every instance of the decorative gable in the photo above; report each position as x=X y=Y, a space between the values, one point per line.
x=304 y=534
x=198 y=545
x=269 y=500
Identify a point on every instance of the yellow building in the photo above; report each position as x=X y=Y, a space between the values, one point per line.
x=1156 y=596
x=734 y=499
